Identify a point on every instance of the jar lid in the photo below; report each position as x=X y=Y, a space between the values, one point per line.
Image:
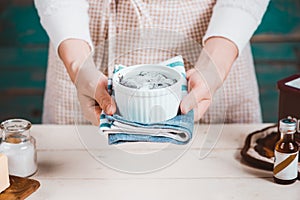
x=15 y=125
x=288 y=125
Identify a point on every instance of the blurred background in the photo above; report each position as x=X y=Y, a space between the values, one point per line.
x=24 y=50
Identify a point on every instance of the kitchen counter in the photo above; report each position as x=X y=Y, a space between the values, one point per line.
x=75 y=162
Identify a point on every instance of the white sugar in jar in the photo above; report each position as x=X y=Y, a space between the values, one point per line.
x=19 y=147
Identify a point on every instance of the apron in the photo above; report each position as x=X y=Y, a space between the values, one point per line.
x=133 y=32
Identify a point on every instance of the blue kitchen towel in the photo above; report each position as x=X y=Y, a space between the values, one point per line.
x=177 y=130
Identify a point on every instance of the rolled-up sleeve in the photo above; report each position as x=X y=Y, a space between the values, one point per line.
x=236 y=20
x=64 y=19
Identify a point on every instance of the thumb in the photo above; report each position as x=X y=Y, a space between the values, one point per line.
x=188 y=102
x=90 y=110
x=103 y=98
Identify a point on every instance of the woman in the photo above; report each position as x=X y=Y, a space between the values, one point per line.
x=119 y=28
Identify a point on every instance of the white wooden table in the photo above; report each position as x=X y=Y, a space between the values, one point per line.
x=67 y=170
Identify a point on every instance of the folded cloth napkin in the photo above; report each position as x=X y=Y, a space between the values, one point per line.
x=177 y=130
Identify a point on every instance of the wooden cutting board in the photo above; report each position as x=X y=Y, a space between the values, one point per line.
x=19 y=188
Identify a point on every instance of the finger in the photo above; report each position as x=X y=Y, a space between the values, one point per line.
x=104 y=99
x=188 y=103
x=106 y=103
x=193 y=81
x=92 y=114
x=190 y=72
x=90 y=109
x=191 y=100
x=201 y=108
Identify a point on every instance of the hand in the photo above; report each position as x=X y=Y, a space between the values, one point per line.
x=92 y=92
x=208 y=75
x=91 y=84
x=203 y=81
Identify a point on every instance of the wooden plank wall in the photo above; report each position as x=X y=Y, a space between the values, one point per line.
x=276 y=51
x=24 y=47
x=23 y=60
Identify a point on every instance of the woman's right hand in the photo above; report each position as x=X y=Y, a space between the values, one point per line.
x=92 y=92
x=90 y=83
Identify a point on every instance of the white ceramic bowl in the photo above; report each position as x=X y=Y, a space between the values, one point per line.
x=147 y=105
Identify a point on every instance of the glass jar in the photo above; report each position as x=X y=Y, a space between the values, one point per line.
x=19 y=147
x=286 y=153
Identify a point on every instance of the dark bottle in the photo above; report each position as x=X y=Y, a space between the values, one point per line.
x=285 y=169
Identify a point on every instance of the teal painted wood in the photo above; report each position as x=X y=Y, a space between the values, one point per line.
x=23 y=57
x=275 y=61
x=21 y=106
x=23 y=60
x=267 y=76
x=33 y=78
x=283 y=51
x=20 y=25
x=282 y=17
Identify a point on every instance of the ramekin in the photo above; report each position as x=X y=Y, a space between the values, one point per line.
x=147 y=105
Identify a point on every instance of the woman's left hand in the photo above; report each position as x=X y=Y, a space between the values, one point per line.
x=208 y=75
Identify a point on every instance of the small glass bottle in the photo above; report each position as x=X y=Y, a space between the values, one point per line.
x=285 y=169
x=19 y=147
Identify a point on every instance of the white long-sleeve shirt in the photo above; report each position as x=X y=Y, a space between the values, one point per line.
x=235 y=20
